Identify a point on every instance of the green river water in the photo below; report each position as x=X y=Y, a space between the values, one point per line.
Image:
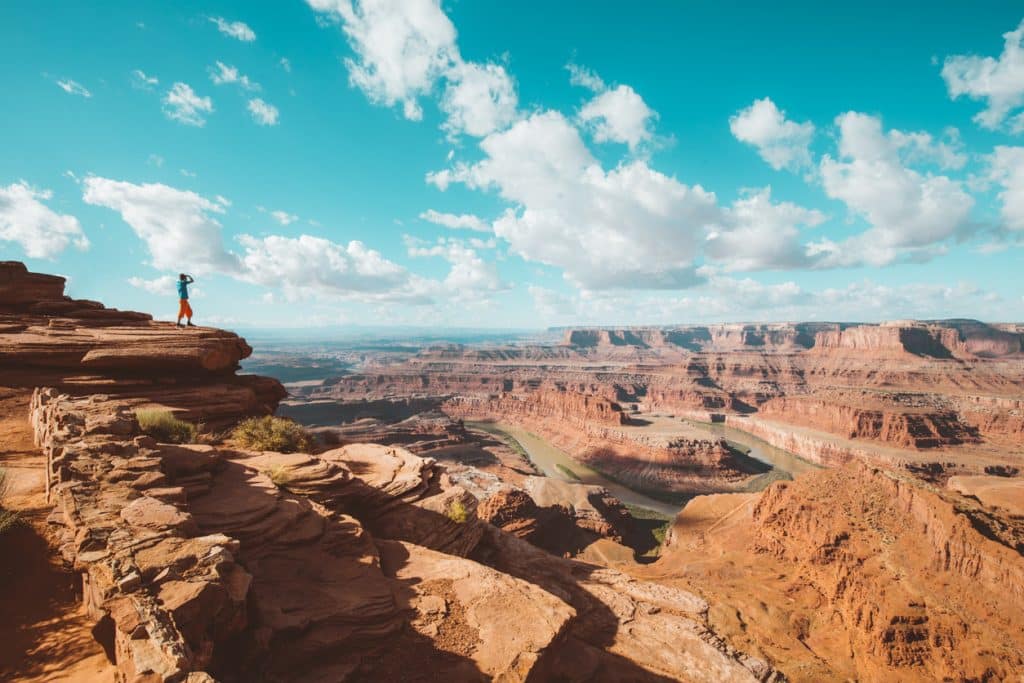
x=556 y=463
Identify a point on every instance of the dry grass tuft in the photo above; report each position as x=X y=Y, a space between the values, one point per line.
x=7 y=518
x=163 y=426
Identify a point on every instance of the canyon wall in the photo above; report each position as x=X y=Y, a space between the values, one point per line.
x=880 y=527
x=939 y=339
x=859 y=573
x=924 y=395
x=548 y=401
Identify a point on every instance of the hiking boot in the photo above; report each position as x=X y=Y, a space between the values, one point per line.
x=190 y=324
x=178 y=325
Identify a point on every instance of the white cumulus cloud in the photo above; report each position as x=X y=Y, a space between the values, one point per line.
x=263 y=112
x=629 y=227
x=182 y=233
x=178 y=227
x=283 y=217
x=308 y=265
x=479 y=99
x=165 y=284
x=39 y=230
x=182 y=104
x=238 y=30
x=551 y=304
x=921 y=148
x=456 y=221
x=780 y=142
x=619 y=115
x=401 y=46
x=404 y=48
x=73 y=87
x=758 y=234
x=222 y=74
x=470 y=276
x=1000 y=82
x=910 y=214
x=1007 y=169
x=585 y=78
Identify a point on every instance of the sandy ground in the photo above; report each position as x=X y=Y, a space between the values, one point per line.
x=44 y=634
x=1002 y=492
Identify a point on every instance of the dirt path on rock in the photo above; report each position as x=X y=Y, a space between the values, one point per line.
x=44 y=635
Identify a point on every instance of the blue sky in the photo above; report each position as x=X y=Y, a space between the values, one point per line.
x=494 y=164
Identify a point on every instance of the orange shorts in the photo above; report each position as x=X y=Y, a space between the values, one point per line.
x=184 y=310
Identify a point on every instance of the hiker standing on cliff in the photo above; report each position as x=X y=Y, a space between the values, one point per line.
x=184 y=309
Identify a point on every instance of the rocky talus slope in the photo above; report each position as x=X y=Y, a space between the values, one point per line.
x=362 y=562
x=862 y=573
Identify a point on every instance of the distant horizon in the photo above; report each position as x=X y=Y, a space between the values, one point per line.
x=369 y=332
x=519 y=166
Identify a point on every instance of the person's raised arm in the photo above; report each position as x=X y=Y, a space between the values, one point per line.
x=190 y=279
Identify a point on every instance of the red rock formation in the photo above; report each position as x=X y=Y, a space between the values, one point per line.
x=48 y=339
x=944 y=339
x=723 y=337
x=888 y=527
x=915 y=393
x=858 y=573
x=551 y=527
x=188 y=548
x=350 y=564
x=557 y=403
x=169 y=592
x=904 y=427
x=41 y=327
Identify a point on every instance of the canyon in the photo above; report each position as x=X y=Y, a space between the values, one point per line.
x=909 y=441
x=931 y=396
x=845 y=504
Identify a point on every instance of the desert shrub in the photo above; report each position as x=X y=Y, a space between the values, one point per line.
x=271 y=433
x=279 y=475
x=7 y=518
x=457 y=512
x=163 y=426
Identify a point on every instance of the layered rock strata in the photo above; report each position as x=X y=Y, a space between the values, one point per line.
x=83 y=348
x=920 y=394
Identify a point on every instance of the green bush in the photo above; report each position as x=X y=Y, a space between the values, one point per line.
x=457 y=512
x=7 y=518
x=163 y=426
x=271 y=433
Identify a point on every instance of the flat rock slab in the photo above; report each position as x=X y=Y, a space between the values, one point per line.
x=500 y=622
x=150 y=513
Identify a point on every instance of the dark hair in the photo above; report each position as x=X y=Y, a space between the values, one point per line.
x=182 y=276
